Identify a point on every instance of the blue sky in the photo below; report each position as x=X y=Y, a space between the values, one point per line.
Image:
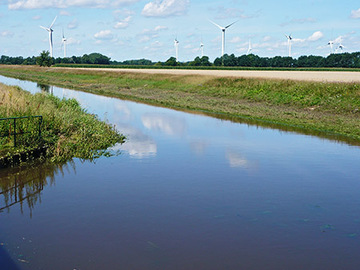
x=134 y=29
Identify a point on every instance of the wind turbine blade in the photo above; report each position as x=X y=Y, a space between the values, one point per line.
x=53 y=22
x=231 y=24
x=47 y=29
x=217 y=25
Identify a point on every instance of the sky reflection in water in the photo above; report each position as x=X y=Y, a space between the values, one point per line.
x=193 y=192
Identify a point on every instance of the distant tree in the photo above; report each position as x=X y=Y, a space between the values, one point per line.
x=171 y=62
x=229 y=60
x=196 y=62
x=98 y=58
x=249 y=60
x=140 y=62
x=85 y=59
x=205 y=62
x=218 y=61
x=44 y=59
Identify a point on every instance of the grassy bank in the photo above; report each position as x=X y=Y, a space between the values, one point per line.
x=67 y=130
x=330 y=109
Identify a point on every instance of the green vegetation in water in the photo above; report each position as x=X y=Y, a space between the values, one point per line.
x=67 y=130
x=325 y=109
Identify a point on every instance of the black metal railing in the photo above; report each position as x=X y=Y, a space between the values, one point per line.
x=15 y=127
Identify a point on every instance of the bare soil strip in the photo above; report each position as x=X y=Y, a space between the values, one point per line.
x=315 y=76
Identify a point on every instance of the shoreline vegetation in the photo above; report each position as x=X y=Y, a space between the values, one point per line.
x=67 y=130
x=328 y=110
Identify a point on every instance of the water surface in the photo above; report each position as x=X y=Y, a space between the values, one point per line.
x=187 y=192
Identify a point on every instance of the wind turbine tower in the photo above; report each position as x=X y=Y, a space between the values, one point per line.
x=176 y=44
x=50 y=30
x=223 y=29
x=289 y=38
x=63 y=41
x=250 y=48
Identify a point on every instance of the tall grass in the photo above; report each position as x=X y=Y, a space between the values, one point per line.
x=67 y=130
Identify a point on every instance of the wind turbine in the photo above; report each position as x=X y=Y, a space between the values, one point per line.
x=289 y=38
x=50 y=30
x=63 y=43
x=331 y=44
x=176 y=44
x=250 y=48
x=341 y=47
x=202 y=48
x=223 y=29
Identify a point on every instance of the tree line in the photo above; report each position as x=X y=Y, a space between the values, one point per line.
x=340 y=60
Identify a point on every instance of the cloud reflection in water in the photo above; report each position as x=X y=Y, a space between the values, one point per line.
x=237 y=160
x=165 y=123
x=138 y=144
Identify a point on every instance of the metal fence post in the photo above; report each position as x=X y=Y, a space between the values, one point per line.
x=40 y=122
x=14 y=132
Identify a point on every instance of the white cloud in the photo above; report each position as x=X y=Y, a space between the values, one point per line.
x=316 y=36
x=165 y=8
x=266 y=38
x=73 y=24
x=123 y=12
x=159 y=28
x=36 y=18
x=235 y=40
x=7 y=34
x=123 y=23
x=299 y=21
x=32 y=4
x=154 y=47
x=232 y=12
x=149 y=34
x=104 y=35
x=64 y=13
x=70 y=41
x=355 y=14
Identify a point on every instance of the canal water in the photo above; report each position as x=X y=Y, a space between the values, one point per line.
x=187 y=191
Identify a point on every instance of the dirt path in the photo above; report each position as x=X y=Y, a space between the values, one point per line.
x=318 y=76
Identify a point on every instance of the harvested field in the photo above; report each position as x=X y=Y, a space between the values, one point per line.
x=315 y=76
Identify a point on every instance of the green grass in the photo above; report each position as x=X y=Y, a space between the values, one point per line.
x=325 y=109
x=67 y=130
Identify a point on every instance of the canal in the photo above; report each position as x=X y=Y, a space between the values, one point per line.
x=187 y=191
